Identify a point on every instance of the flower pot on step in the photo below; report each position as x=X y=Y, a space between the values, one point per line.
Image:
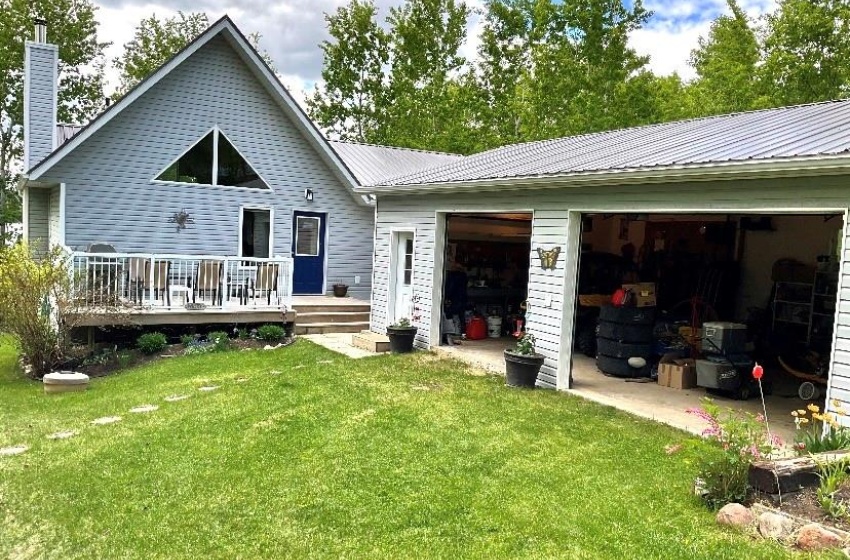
x=340 y=290
x=521 y=369
x=401 y=339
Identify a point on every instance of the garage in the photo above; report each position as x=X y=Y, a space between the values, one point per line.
x=731 y=225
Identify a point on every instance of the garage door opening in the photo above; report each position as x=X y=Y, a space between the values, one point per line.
x=485 y=280
x=706 y=296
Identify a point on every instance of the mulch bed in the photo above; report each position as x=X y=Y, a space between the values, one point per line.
x=804 y=505
x=134 y=358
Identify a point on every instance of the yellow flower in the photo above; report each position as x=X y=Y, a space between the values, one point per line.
x=804 y=420
x=816 y=416
x=801 y=412
x=813 y=408
x=794 y=413
x=841 y=411
x=836 y=403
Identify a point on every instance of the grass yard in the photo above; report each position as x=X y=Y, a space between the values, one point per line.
x=318 y=456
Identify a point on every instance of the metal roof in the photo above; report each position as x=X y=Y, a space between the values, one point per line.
x=817 y=129
x=373 y=164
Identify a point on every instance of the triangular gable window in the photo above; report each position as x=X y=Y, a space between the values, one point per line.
x=213 y=161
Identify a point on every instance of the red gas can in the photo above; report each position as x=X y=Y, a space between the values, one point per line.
x=476 y=329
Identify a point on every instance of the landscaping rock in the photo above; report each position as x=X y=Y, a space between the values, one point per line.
x=774 y=526
x=735 y=515
x=208 y=388
x=175 y=398
x=814 y=537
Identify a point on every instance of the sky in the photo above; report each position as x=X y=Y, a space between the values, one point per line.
x=292 y=29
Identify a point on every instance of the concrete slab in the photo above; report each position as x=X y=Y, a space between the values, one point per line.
x=340 y=343
x=646 y=399
x=371 y=342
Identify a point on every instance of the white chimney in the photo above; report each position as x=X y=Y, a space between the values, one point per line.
x=41 y=80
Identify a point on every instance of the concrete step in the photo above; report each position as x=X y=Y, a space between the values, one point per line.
x=325 y=328
x=373 y=342
x=313 y=317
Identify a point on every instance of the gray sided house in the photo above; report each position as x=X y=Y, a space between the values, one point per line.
x=211 y=141
x=715 y=175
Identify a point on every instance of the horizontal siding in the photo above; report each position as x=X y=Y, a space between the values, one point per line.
x=39 y=91
x=38 y=220
x=110 y=196
x=551 y=228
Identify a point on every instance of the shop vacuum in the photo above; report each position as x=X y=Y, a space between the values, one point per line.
x=726 y=366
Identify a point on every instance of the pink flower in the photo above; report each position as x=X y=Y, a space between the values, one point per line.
x=760 y=418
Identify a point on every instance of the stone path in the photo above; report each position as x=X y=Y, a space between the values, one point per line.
x=144 y=408
x=15 y=450
x=104 y=420
x=62 y=435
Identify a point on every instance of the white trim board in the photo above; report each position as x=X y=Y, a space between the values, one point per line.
x=258 y=67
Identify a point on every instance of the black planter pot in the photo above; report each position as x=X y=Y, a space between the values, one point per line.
x=340 y=290
x=401 y=339
x=521 y=370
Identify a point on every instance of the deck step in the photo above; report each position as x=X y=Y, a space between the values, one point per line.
x=354 y=307
x=313 y=317
x=373 y=342
x=325 y=328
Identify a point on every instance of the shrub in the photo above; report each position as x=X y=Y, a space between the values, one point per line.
x=151 y=343
x=525 y=345
x=736 y=440
x=41 y=305
x=187 y=339
x=219 y=341
x=270 y=333
x=125 y=358
x=243 y=333
x=821 y=432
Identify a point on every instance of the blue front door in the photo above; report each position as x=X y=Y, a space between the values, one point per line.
x=308 y=252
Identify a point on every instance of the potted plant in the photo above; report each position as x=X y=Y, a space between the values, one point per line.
x=340 y=289
x=401 y=335
x=522 y=363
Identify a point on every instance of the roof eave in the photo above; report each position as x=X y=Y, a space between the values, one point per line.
x=726 y=171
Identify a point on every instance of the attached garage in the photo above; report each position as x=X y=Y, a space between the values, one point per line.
x=757 y=201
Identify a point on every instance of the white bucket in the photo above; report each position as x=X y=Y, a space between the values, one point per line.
x=494 y=327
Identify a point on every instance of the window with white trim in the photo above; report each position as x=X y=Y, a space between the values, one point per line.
x=213 y=160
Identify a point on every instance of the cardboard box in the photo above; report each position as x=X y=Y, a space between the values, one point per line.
x=692 y=337
x=677 y=373
x=643 y=292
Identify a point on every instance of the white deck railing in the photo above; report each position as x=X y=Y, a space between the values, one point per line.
x=182 y=282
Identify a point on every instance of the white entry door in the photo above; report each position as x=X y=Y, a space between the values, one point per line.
x=403 y=276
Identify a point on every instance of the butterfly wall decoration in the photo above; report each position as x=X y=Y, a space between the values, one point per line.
x=548 y=258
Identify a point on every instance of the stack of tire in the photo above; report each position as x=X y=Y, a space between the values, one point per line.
x=624 y=334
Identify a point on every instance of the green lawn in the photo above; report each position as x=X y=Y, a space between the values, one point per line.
x=388 y=457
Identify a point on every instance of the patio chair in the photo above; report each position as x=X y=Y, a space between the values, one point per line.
x=208 y=280
x=139 y=279
x=266 y=280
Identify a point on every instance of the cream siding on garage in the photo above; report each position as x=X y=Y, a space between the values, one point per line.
x=552 y=209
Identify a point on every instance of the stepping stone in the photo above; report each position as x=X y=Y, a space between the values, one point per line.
x=274 y=372
x=241 y=379
x=144 y=408
x=16 y=450
x=62 y=435
x=175 y=398
x=65 y=382
x=106 y=420
x=325 y=362
x=208 y=388
x=299 y=366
